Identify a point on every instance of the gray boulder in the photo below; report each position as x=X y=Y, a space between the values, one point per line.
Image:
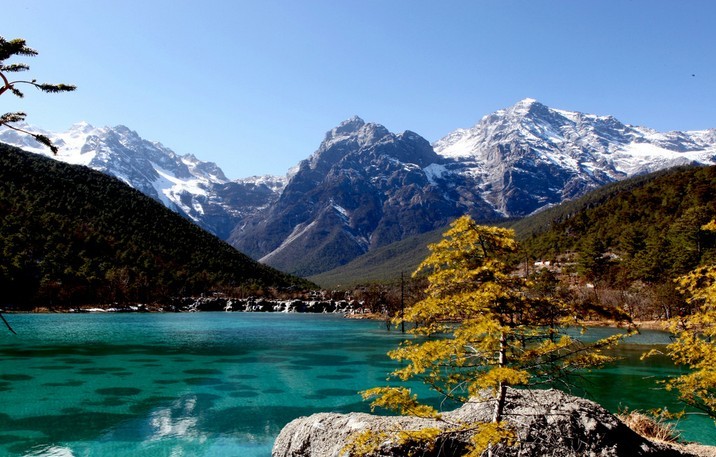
x=547 y=422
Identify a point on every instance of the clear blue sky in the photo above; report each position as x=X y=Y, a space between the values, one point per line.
x=254 y=85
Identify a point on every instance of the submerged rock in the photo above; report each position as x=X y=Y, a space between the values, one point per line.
x=547 y=423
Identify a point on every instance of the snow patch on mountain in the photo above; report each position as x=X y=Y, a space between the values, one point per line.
x=639 y=158
x=342 y=212
x=298 y=231
x=434 y=172
x=198 y=189
x=170 y=190
x=275 y=183
x=71 y=144
x=458 y=144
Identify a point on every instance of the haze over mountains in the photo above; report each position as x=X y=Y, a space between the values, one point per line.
x=366 y=187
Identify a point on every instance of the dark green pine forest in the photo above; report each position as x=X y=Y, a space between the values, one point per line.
x=646 y=229
x=71 y=236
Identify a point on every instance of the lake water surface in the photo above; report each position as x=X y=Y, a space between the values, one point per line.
x=222 y=384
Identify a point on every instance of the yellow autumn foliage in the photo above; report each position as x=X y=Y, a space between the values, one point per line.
x=497 y=376
x=490 y=434
x=364 y=443
x=399 y=399
x=480 y=328
x=695 y=343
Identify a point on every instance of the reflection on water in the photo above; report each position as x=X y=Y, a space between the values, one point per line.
x=222 y=384
x=178 y=420
x=50 y=451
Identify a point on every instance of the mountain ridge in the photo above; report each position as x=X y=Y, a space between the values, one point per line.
x=365 y=187
x=195 y=189
x=347 y=198
x=563 y=153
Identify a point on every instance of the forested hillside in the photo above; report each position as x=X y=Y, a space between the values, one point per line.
x=648 y=229
x=70 y=235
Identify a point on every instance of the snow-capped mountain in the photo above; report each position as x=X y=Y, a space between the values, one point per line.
x=529 y=155
x=365 y=187
x=198 y=190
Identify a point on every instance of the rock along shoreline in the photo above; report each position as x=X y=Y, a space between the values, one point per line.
x=200 y=304
x=546 y=422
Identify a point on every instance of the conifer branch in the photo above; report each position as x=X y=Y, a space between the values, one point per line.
x=19 y=47
x=14 y=67
x=7 y=324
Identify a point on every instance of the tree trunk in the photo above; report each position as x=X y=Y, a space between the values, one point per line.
x=502 y=388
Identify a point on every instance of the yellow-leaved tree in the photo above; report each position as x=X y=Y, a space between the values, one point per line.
x=695 y=342
x=480 y=329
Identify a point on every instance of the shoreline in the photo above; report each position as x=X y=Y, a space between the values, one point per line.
x=640 y=324
x=349 y=310
x=202 y=304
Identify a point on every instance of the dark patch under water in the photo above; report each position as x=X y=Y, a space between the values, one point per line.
x=215 y=384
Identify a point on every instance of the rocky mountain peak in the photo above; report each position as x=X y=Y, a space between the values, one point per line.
x=372 y=133
x=530 y=117
x=526 y=107
x=411 y=136
x=364 y=187
x=345 y=128
x=355 y=129
x=529 y=155
x=123 y=130
x=81 y=127
x=350 y=137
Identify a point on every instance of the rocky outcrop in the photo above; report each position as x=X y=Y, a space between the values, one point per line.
x=547 y=423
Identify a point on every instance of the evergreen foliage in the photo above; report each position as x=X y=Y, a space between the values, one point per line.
x=18 y=47
x=647 y=229
x=70 y=235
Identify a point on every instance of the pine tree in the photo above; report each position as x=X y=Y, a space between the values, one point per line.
x=18 y=47
x=481 y=329
x=593 y=261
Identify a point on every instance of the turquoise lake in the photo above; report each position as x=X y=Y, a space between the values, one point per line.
x=224 y=384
